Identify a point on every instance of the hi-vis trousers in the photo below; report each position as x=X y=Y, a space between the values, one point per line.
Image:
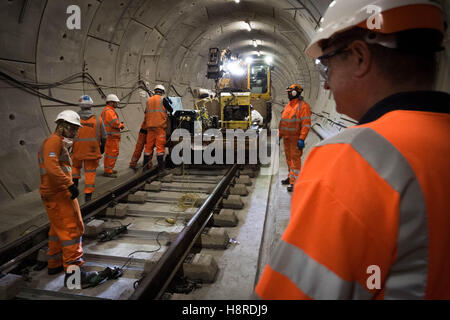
x=90 y=167
x=140 y=144
x=293 y=158
x=111 y=153
x=66 y=230
x=155 y=136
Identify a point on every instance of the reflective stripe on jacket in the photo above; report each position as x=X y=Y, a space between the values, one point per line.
x=55 y=166
x=295 y=120
x=369 y=201
x=155 y=113
x=86 y=145
x=111 y=121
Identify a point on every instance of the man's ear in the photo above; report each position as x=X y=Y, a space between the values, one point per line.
x=363 y=58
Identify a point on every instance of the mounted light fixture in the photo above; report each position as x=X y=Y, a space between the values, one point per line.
x=259 y=53
x=255 y=44
x=249 y=60
x=269 y=59
x=249 y=27
x=237 y=1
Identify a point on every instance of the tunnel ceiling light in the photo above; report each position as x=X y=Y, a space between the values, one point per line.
x=248 y=26
x=237 y=1
x=269 y=59
x=255 y=44
x=259 y=53
x=249 y=60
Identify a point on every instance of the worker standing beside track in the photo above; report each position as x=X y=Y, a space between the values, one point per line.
x=59 y=195
x=294 y=127
x=88 y=147
x=369 y=217
x=156 y=124
x=113 y=126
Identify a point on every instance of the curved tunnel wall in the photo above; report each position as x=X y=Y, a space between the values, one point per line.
x=122 y=41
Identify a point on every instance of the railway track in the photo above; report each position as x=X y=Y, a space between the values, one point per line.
x=168 y=221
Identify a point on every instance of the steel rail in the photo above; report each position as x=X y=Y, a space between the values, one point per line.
x=17 y=251
x=155 y=283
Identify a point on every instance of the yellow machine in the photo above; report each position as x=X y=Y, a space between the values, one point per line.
x=234 y=109
x=240 y=85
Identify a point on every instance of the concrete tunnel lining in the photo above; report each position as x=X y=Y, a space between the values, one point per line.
x=155 y=41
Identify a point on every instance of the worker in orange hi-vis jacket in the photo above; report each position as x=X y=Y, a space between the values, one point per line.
x=88 y=147
x=369 y=216
x=113 y=126
x=59 y=195
x=156 y=124
x=294 y=127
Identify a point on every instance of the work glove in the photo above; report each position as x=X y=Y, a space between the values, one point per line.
x=121 y=126
x=102 y=148
x=301 y=144
x=74 y=191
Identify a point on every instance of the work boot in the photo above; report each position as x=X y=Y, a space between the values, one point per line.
x=161 y=166
x=145 y=162
x=53 y=271
x=290 y=188
x=87 y=197
x=286 y=181
x=115 y=171
x=110 y=175
x=75 y=182
x=85 y=278
x=161 y=163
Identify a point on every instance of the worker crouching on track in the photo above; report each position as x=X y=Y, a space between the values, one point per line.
x=59 y=195
x=294 y=127
x=156 y=124
x=113 y=126
x=88 y=146
x=369 y=217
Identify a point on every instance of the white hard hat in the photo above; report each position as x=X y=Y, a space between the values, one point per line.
x=383 y=16
x=112 y=97
x=70 y=117
x=85 y=100
x=160 y=87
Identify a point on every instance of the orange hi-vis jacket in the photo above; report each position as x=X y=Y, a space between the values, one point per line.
x=55 y=166
x=370 y=217
x=155 y=113
x=295 y=120
x=111 y=121
x=86 y=145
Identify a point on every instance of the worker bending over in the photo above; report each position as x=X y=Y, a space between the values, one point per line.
x=140 y=144
x=88 y=147
x=156 y=124
x=294 y=128
x=369 y=217
x=59 y=195
x=256 y=117
x=113 y=126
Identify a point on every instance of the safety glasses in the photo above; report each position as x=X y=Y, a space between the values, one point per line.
x=322 y=62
